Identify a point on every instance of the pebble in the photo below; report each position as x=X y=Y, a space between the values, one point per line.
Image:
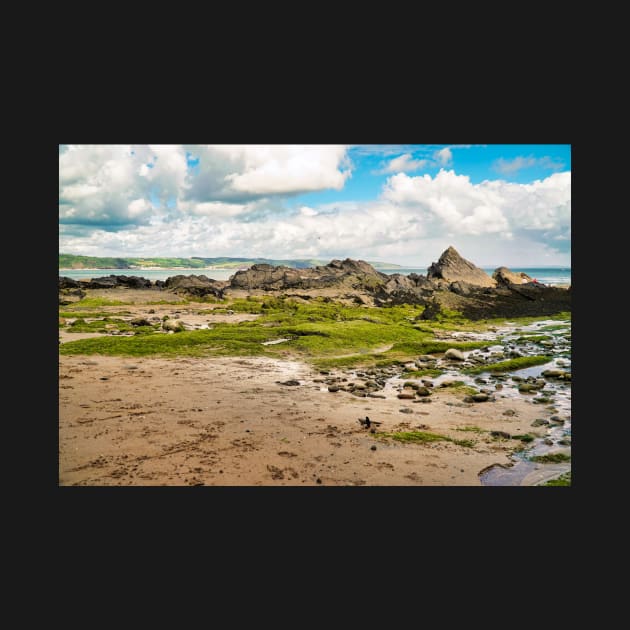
x=539 y=422
x=453 y=353
x=372 y=448
x=480 y=397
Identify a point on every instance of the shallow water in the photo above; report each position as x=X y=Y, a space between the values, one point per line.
x=523 y=471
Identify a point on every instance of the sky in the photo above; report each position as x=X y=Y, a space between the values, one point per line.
x=497 y=204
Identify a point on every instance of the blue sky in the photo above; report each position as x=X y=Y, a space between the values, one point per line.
x=497 y=204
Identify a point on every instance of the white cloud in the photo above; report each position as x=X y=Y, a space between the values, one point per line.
x=443 y=157
x=509 y=167
x=98 y=183
x=404 y=164
x=239 y=172
x=288 y=169
x=102 y=184
x=452 y=202
x=113 y=203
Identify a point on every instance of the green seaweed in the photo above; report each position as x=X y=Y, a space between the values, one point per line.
x=424 y=437
x=562 y=480
x=551 y=458
x=509 y=365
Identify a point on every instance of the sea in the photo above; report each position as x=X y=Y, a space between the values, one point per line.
x=546 y=275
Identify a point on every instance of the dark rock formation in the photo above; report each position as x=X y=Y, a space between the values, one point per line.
x=199 y=286
x=452 y=267
x=112 y=281
x=356 y=274
x=68 y=283
x=69 y=291
x=504 y=276
x=451 y=284
x=431 y=310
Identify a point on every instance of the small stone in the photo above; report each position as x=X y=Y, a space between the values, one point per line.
x=406 y=396
x=318 y=480
x=333 y=388
x=500 y=434
x=480 y=397
x=498 y=386
x=372 y=448
x=423 y=391
x=291 y=383
x=406 y=410
x=453 y=353
x=553 y=373
x=539 y=422
x=509 y=412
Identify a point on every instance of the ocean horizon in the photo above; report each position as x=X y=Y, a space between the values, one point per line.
x=546 y=275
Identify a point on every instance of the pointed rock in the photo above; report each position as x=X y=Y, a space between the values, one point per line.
x=453 y=268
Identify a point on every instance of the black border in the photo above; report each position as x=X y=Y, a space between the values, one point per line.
x=371 y=112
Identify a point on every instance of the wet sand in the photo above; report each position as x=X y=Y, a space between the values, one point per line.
x=227 y=421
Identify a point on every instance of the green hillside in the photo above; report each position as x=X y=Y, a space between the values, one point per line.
x=70 y=261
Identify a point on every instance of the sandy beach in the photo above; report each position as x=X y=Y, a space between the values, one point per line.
x=227 y=421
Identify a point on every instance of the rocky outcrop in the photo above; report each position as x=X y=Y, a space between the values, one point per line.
x=355 y=274
x=199 y=286
x=451 y=284
x=504 y=276
x=69 y=291
x=112 y=281
x=452 y=268
x=68 y=283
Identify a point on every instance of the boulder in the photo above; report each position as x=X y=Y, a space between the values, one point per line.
x=504 y=276
x=451 y=267
x=140 y=321
x=68 y=283
x=172 y=324
x=431 y=310
x=195 y=285
x=454 y=353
